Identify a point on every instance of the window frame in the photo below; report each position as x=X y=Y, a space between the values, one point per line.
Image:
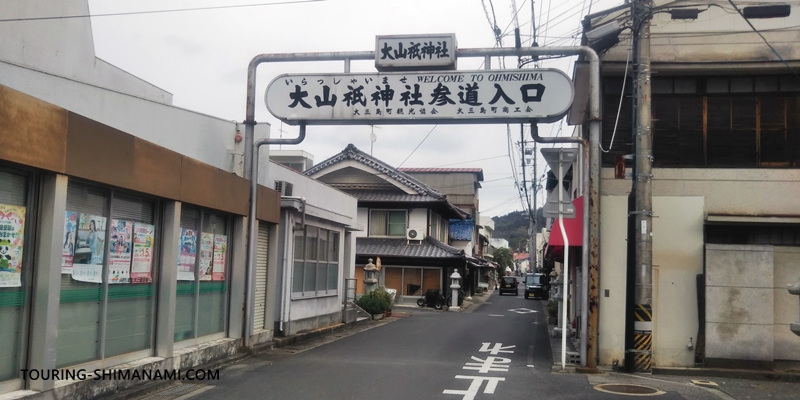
x=387 y=231
x=330 y=257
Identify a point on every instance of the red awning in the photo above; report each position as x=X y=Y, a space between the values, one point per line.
x=573 y=226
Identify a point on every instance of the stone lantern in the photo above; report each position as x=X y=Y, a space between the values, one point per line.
x=795 y=290
x=455 y=284
x=370 y=276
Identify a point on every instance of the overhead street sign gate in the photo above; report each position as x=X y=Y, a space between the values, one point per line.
x=417 y=84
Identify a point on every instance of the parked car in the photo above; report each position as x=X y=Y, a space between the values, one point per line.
x=537 y=285
x=508 y=284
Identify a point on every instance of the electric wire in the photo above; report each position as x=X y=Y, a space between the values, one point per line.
x=619 y=108
x=160 y=11
x=420 y=144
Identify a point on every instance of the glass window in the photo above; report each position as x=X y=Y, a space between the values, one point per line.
x=212 y=286
x=387 y=223
x=316 y=266
x=201 y=301
x=16 y=246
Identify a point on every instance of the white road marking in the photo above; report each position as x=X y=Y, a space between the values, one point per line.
x=496 y=315
x=522 y=310
x=530 y=366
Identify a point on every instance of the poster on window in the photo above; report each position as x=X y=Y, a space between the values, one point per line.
x=206 y=255
x=220 y=249
x=70 y=230
x=143 y=238
x=87 y=262
x=119 y=252
x=12 y=225
x=188 y=254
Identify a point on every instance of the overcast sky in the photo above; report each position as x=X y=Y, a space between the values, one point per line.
x=201 y=57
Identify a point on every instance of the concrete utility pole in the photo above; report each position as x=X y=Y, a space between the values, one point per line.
x=643 y=209
x=535 y=222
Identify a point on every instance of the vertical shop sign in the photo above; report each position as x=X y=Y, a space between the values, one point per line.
x=206 y=255
x=143 y=238
x=119 y=252
x=70 y=231
x=87 y=264
x=12 y=225
x=220 y=249
x=188 y=255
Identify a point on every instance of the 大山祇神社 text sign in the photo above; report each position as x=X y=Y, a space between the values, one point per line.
x=415 y=52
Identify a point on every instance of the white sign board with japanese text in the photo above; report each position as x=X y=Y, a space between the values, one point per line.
x=415 y=52
x=457 y=97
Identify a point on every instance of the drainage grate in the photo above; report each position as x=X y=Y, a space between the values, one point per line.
x=178 y=390
x=628 y=389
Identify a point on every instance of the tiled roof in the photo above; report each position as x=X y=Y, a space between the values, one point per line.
x=427 y=248
x=380 y=196
x=351 y=152
x=478 y=171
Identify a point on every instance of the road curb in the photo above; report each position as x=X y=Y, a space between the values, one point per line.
x=783 y=376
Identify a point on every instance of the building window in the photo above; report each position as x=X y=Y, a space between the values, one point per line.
x=107 y=297
x=201 y=291
x=316 y=262
x=16 y=250
x=725 y=122
x=387 y=223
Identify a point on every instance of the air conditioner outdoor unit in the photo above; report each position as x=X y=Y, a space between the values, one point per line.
x=284 y=188
x=415 y=234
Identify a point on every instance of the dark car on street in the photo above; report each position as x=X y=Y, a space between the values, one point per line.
x=537 y=285
x=508 y=284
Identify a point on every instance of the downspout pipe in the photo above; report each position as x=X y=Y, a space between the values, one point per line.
x=252 y=225
x=591 y=182
x=289 y=231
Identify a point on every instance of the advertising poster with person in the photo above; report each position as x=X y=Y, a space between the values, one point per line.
x=119 y=252
x=143 y=237
x=220 y=249
x=12 y=225
x=188 y=254
x=70 y=230
x=206 y=255
x=87 y=263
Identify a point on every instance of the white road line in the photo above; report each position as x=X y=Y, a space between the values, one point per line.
x=496 y=315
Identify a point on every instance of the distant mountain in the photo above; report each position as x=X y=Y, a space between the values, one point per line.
x=514 y=228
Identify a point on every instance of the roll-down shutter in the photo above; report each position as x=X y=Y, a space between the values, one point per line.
x=261 y=276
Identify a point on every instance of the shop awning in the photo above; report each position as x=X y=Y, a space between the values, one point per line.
x=573 y=226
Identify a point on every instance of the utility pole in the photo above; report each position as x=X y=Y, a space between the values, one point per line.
x=643 y=204
x=534 y=220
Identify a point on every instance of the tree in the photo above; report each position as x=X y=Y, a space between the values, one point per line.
x=505 y=258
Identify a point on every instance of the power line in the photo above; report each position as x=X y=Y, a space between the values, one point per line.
x=467 y=162
x=420 y=144
x=159 y=11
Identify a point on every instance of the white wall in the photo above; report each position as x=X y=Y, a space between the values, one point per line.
x=613 y=231
x=207 y=139
x=677 y=259
x=64 y=47
x=733 y=39
x=418 y=218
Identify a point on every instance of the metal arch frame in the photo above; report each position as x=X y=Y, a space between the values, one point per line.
x=590 y=148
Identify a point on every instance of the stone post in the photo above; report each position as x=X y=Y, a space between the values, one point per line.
x=370 y=277
x=795 y=290
x=455 y=279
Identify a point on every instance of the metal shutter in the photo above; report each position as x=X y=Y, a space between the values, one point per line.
x=85 y=199
x=261 y=276
x=132 y=209
x=12 y=189
x=190 y=218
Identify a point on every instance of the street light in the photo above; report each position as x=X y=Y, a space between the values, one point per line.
x=370 y=276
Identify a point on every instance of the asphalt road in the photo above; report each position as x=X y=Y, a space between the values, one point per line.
x=500 y=350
